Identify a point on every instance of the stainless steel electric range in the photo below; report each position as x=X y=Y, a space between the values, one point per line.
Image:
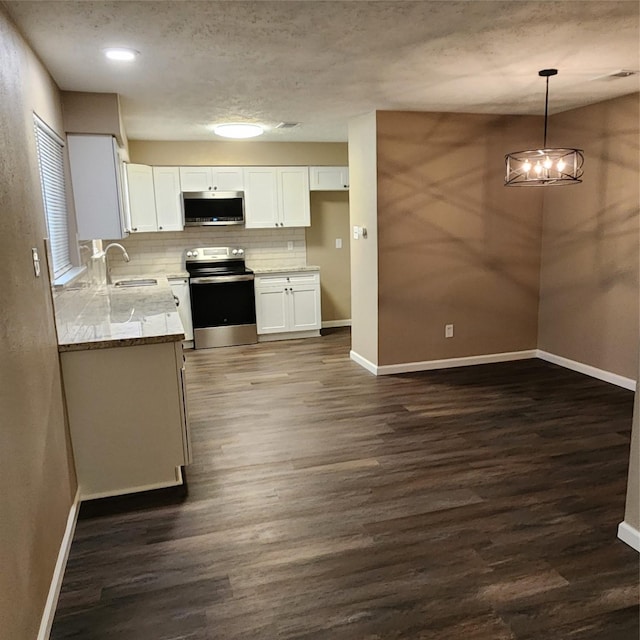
x=223 y=306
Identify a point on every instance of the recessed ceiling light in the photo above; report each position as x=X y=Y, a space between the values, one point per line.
x=121 y=54
x=238 y=130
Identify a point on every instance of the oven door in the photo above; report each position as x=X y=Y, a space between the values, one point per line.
x=223 y=310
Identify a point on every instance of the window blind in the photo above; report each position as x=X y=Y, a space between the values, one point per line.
x=51 y=162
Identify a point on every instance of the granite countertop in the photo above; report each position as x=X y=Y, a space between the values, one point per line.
x=261 y=270
x=104 y=316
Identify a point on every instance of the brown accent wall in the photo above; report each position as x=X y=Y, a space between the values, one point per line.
x=36 y=473
x=455 y=245
x=237 y=153
x=589 y=274
x=329 y=221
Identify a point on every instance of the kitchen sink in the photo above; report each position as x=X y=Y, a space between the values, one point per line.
x=141 y=282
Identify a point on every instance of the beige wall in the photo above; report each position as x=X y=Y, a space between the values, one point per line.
x=363 y=197
x=589 y=275
x=36 y=474
x=237 y=153
x=86 y=112
x=455 y=245
x=329 y=221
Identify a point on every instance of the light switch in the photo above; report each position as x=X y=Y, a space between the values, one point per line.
x=338 y=243
x=36 y=261
x=356 y=233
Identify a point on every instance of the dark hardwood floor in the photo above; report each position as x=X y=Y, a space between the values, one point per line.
x=478 y=503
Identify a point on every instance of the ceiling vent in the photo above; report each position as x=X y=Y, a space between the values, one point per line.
x=622 y=73
x=287 y=125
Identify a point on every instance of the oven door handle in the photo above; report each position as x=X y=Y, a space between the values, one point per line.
x=221 y=279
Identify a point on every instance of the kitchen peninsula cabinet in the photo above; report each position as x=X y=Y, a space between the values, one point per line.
x=288 y=305
x=123 y=371
x=127 y=417
x=276 y=197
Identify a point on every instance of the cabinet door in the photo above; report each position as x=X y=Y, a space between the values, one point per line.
x=228 y=178
x=293 y=192
x=180 y=289
x=304 y=306
x=271 y=310
x=95 y=182
x=166 y=186
x=261 y=198
x=142 y=203
x=329 y=178
x=195 y=179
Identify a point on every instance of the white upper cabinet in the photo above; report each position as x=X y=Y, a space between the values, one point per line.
x=261 y=198
x=142 y=202
x=211 y=179
x=276 y=197
x=97 y=189
x=154 y=198
x=329 y=178
x=166 y=186
x=293 y=193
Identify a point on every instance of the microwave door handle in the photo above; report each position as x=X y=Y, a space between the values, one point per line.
x=221 y=279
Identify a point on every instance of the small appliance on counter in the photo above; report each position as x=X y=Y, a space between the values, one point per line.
x=223 y=303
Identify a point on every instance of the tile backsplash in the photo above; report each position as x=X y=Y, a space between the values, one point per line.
x=163 y=252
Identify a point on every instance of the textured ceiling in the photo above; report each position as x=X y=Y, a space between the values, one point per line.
x=321 y=62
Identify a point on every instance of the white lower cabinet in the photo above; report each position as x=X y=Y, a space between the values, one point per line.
x=288 y=303
x=127 y=417
x=180 y=289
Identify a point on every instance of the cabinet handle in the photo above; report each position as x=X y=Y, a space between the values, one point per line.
x=135 y=229
x=276 y=224
x=209 y=188
x=215 y=188
x=160 y=228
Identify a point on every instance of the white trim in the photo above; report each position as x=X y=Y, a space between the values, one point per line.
x=449 y=363
x=330 y=324
x=147 y=487
x=364 y=363
x=69 y=276
x=58 y=573
x=629 y=535
x=288 y=335
x=600 y=374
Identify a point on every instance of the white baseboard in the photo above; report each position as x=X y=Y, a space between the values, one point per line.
x=288 y=335
x=58 y=573
x=330 y=324
x=629 y=535
x=165 y=484
x=594 y=372
x=363 y=362
x=448 y=363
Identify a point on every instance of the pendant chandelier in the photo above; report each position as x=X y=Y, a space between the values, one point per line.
x=544 y=167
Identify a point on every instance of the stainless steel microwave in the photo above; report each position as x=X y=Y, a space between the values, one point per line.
x=213 y=208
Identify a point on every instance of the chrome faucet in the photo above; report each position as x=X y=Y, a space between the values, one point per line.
x=125 y=255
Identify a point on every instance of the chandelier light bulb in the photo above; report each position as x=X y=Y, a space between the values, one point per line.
x=538 y=168
x=526 y=166
x=561 y=164
x=547 y=164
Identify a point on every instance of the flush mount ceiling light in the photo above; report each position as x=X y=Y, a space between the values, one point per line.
x=121 y=54
x=238 y=130
x=544 y=167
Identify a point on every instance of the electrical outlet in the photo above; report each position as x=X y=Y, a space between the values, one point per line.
x=448 y=331
x=290 y=245
x=338 y=243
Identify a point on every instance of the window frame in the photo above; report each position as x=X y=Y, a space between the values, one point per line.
x=50 y=148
